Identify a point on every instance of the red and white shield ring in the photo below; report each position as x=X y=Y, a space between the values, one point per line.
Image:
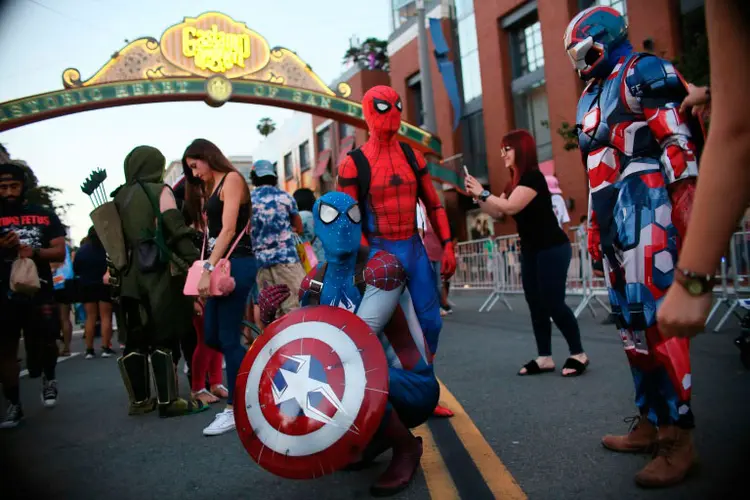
x=311 y=392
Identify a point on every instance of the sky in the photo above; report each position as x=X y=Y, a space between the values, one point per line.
x=39 y=39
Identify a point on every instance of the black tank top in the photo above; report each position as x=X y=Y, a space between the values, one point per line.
x=214 y=210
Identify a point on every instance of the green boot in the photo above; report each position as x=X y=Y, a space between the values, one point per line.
x=135 y=377
x=167 y=394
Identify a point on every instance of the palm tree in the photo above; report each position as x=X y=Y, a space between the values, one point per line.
x=266 y=126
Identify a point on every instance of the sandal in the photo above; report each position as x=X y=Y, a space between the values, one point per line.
x=532 y=368
x=205 y=397
x=575 y=365
x=219 y=391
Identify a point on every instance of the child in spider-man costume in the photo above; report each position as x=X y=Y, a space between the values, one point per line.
x=640 y=153
x=387 y=177
x=371 y=285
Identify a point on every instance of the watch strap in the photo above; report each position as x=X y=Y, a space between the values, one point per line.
x=694 y=283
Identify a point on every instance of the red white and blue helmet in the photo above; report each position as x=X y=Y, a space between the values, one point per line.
x=590 y=38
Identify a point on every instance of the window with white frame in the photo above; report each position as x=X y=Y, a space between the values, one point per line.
x=324 y=139
x=304 y=156
x=288 y=166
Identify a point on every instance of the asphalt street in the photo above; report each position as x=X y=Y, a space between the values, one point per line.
x=540 y=432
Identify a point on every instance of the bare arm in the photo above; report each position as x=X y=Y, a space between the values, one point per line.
x=511 y=205
x=297 y=225
x=55 y=252
x=232 y=191
x=723 y=191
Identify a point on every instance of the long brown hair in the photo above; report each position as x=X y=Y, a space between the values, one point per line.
x=524 y=146
x=196 y=191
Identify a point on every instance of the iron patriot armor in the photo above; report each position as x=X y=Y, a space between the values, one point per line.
x=641 y=160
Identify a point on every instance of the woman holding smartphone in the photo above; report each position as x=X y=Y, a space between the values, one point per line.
x=545 y=252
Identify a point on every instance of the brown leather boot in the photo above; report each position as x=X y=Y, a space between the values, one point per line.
x=640 y=439
x=674 y=459
x=407 y=452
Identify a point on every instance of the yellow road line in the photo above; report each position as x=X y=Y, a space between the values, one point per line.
x=495 y=474
x=439 y=481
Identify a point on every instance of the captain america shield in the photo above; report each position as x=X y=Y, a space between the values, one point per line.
x=311 y=392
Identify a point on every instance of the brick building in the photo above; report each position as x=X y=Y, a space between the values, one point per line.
x=513 y=73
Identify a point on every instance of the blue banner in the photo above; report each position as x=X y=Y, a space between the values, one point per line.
x=447 y=68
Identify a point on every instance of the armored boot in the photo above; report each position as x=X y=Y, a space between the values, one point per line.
x=167 y=394
x=674 y=459
x=640 y=439
x=135 y=377
x=407 y=453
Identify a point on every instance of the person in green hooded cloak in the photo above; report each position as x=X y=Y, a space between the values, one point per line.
x=154 y=310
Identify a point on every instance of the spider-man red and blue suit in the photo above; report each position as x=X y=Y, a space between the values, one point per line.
x=386 y=178
x=372 y=286
x=640 y=154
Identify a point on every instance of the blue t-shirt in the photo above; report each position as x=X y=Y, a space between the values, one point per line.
x=273 y=238
x=90 y=264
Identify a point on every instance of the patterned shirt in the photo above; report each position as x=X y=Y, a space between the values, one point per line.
x=273 y=239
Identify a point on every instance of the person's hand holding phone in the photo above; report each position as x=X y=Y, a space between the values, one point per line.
x=9 y=240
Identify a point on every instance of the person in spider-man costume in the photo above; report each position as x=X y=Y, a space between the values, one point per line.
x=640 y=154
x=386 y=178
x=372 y=285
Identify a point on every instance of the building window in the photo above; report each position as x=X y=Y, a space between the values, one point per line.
x=345 y=130
x=471 y=75
x=415 y=114
x=304 y=156
x=620 y=6
x=288 y=166
x=324 y=139
x=404 y=10
x=528 y=85
x=475 y=149
x=527 y=49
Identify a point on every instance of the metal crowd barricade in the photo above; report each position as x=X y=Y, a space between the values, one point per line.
x=495 y=265
x=507 y=262
x=581 y=279
x=738 y=273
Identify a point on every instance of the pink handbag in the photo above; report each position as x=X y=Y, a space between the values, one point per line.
x=222 y=283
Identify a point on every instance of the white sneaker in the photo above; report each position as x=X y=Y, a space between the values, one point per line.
x=223 y=423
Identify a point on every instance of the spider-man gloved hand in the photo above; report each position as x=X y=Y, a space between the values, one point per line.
x=448 y=266
x=269 y=301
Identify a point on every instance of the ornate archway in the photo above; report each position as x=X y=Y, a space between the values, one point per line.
x=210 y=58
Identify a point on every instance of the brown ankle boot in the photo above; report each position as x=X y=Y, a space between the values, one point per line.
x=400 y=471
x=640 y=439
x=673 y=460
x=407 y=452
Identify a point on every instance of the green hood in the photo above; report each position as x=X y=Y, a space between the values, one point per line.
x=145 y=164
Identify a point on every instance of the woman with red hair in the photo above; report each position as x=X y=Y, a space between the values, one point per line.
x=545 y=252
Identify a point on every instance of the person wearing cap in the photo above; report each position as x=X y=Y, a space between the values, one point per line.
x=276 y=219
x=32 y=232
x=558 y=203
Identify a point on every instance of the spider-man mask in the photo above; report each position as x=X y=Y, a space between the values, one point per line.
x=338 y=224
x=382 y=108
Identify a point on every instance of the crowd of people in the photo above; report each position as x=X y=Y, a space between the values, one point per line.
x=258 y=238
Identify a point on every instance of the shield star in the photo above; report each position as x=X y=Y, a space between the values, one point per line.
x=300 y=387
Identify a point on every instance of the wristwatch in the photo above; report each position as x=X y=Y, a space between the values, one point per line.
x=208 y=267
x=696 y=284
x=484 y=195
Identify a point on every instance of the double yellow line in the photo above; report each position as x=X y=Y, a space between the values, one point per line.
x=439 y=481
